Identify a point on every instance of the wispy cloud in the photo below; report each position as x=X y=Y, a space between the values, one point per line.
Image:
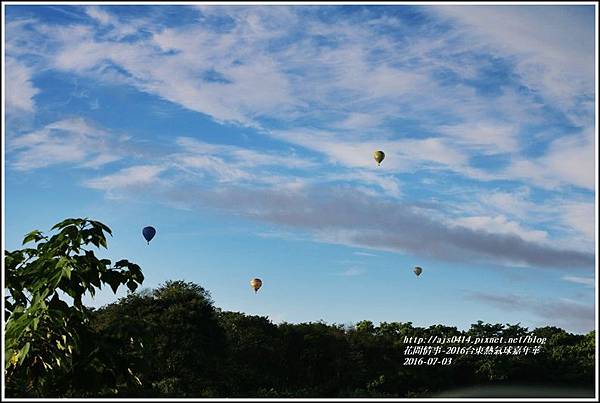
x=72 y=141
x=19 y=91
x=552 y=54
x=244 y=157
x=587 y=281
x=487 y=137
x=403 y=154
x=364 y=254
x=568 y=161
x=581 y=217
x=99 y=15
x=127 y=178
x=568 y=314
x=342 y=215
x=500 y=225
x=352 y=272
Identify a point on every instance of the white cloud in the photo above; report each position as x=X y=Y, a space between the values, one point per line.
x=364 y=254
x=230 y=163
x=19 y=90
x=401 y=155
x=359 y=121
x=572 y=160
x=488 y=137
x=587 y=281
x=66 y=141
x=554 y=46
x=581 y=217
x=214 y=166
x=246 y=83
x=567 y=220
x=388 y=183
x=352 y=272
x=501 y=225
x=515 y=203
x=571 y=315
x=99 y=15
x=568 y=161
x=127 y=178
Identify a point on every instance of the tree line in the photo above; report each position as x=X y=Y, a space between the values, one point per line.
x=173 y=342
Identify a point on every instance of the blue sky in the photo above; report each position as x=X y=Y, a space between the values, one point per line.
x=245 y=135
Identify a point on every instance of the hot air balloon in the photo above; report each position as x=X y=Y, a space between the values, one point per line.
x=255 y=283
x=417 y=270
x=148 y=233
x=379 y=156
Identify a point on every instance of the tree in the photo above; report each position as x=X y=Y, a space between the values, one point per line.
x=183 y=344
x=50 y=349
x=254 y=358
x=314 y=358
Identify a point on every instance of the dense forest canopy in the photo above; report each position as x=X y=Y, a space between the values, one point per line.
x=173 y=342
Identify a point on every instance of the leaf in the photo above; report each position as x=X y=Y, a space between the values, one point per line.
x=113 y=278
x=63 y=261
x=35 y=235
x=55 y=279
x=104 y=227
x=23 y=352
x=67 y=222
x=14 y=358
x=132 y=285
x=66 y=271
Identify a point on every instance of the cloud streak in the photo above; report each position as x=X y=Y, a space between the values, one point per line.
x=20 y=91
x=587 y=281
x=569 y=314
x=68 y=141
x=342 y=215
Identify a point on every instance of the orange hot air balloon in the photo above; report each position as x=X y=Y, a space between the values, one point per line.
x=256 y=283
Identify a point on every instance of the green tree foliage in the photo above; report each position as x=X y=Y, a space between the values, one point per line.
x=254 y=356
x=249 y=356
x=182 y=346
x=50 y=349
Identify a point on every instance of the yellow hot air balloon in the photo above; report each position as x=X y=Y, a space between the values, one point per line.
x=417 y=270
x=255 y=283
x=379 y=156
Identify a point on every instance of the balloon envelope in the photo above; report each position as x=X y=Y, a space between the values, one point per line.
x=256 y=283
x=379 y=156
x=148 y=233
x=417 y=270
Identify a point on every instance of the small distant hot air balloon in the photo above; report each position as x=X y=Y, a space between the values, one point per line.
x=417 y=270
x=379 y=156
x=255 y=283
x=148 y=233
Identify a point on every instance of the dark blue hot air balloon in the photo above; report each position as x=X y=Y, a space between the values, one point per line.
x=148 y=233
